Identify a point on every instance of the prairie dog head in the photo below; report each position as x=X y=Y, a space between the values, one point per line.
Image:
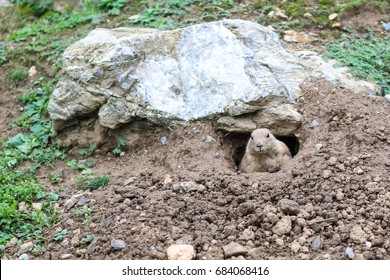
x=261 y=141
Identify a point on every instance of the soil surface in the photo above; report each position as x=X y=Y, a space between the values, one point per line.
x=188 y=191
x=331 y=201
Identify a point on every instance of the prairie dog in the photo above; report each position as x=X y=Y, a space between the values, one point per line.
x=264 y=153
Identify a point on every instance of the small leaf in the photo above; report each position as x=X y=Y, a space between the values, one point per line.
x=54 y=196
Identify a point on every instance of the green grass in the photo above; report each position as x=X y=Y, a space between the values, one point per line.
x=367 y=57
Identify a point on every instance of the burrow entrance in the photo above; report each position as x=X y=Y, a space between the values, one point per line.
x=238 y=141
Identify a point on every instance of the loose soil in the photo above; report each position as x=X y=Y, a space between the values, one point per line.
x=189 y=190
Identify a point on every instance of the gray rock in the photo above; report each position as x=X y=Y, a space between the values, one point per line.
x=283 y=226
x=66 y=256
x=83 y=200
x=24 y=256
x=134 y=75
x=72 y=201
x=234 y=249
x=349 y=253
x=357 y=234
x=289 y=206
x=317 y=243
x=25 y=248
x=387 y=97
x=118 y=244
x=92 y=247
x=386 y=26
x=181 y=252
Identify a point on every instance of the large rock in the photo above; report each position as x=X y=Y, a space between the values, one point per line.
x=232 y=72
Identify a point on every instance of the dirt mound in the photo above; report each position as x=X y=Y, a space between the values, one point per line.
x=187 y=190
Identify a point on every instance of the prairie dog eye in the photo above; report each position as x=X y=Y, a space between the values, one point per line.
x=251 y=137
x=267 y=135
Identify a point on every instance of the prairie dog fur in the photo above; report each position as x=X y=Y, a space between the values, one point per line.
x=264 y=153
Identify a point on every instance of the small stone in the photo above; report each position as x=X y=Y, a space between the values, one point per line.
x=72 y=201
x=12 y=243
x=122 y=154
x=357 y=234
x=387 y=97
x=92 y=247
x=22 y=207
x=349 y=253
x=163 y=140
x=65 y=243
x=283 y=226
x=83 y=200
x=26 y=247
x=318 y=147
x=234 y=249
x=368 y=255
x=289 y=206
x=327 y=256
x=358 y=171
x=129 y=181
x=210 y=139
x=332 y=161
x=37 y=206
x=386 y=26
x=118 y=244
x=279 y=241
x=308 y=15
x=167 y=180
x=24 y=257
x=295 y=246
x=279 y=13
x=32 y=71
x=317 y=243
x=336 y=25
x=134 y=17
x=327 y=174
x=339 y=195
x=66 y=256
x=332 y=16
x=246 y=208
x=301 y=222
x=181 y=252
x=314 y=123
x=368 y=244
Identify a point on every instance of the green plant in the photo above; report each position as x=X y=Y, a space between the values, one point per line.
x=88 y=239
x=19 y=75
x=59 y=236
x=85 y=212
x=87 y=152
x=37 y=7
x=366 y=57
x=121 y=143
x=88 y=182
x=54 y=179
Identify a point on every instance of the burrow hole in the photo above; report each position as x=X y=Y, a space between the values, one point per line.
x=238 y=143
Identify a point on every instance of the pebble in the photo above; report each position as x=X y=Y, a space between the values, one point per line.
x=308 y=15
x=368 y=255
x=24 y=256
x=65 y=243
x=317 y=243
x=83 y=200
x=118 y=244
x=181 y=252
x=234 y=249
x=332 y=16
x=32 y=71
x=26 y=247
x=129 y=181
x=295 y=246
x=163 y=140
x=318 y=147
x=279 y=241
x=279 y=13
x=339 y=195
x=37 y=206
x=210 y=139
x=66 y=256
x=332 y=161
x=72 y=201
x=358 y=171
x=289 y=206
x=12 y=243
x=387 y=97
x=357 y=234
x=314 y=123
x=326 y=174
x=386 y=26
x=336 y=25
x=22 y=207
x=283 y=226
x=349 y=253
